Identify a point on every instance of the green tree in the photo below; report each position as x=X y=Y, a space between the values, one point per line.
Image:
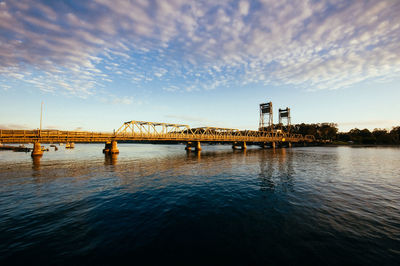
x=382 y=136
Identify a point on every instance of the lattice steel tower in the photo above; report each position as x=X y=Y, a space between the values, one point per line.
x=266 y=117
x=284 y=114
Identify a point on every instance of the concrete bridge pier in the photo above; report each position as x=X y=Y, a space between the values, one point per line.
x=111 y=147
x=69 y=145
x=234 y=146
x=264 y=145
x=198 y=146
x=273 y=145
x=242 y=145
x=107 y=148
x=188 y=146
x=37 y=150
x=114 y=147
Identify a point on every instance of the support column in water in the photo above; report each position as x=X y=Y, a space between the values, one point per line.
x=37 y=150
x=107 y=147
x=273 y=145
x=69 y=145
x=114 y=147
x=234 y=146
x=244 y=146
x=198 y=146
x=188 y=146
x=111 y=147
x=264 y=145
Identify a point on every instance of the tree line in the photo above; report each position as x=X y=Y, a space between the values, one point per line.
x=329 y=131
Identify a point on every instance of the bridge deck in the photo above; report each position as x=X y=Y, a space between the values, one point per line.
x=150 y=131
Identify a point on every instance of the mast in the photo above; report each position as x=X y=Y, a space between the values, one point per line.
x=41 y=112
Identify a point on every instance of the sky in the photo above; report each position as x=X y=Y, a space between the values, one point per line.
x=96 y=64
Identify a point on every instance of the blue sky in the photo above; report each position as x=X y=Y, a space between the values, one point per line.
x=96 y=64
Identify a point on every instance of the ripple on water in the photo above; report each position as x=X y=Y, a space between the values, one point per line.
x=156 y=203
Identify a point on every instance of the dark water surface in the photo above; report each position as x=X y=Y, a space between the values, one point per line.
x=155 y=204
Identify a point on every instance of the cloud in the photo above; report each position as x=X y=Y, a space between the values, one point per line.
x=76 y=50
x=196 y=121
x=244 y=7
x=5 y=87
x=123 y=100
x=171 y=88
x=15 y=126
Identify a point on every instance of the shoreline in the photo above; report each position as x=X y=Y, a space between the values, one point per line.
x=362 y=145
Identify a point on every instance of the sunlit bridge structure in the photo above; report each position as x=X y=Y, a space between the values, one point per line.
x=266 y=117
x=285 y=114
x=154 y=132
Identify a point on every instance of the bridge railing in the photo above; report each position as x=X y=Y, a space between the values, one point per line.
x=50 y=135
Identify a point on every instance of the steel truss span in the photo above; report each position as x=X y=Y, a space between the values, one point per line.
x=152 y=131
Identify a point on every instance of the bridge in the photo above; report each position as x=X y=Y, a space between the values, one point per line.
x=141 y=131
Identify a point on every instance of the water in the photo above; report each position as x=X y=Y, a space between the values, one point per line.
x=155 y=204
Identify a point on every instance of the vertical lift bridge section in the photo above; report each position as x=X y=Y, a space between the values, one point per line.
x=266 y=117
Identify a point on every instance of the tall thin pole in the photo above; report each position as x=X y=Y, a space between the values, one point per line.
x=41 y=112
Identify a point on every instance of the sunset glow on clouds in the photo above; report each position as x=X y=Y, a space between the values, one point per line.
x=81 y=48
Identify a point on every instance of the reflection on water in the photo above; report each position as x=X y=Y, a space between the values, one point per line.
x=36 y=163
x=193 y=154
x=276 y=169
x=110 y=159
x=255 y=206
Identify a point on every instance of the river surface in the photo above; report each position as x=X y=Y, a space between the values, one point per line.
x=157 y=204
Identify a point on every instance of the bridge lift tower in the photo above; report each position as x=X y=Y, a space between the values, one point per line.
x=284 y=114
x=266 y=117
